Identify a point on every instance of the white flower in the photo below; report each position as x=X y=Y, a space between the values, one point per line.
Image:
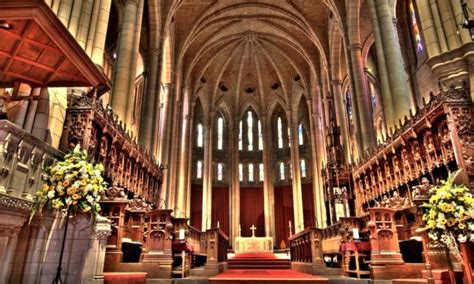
x=89 y=187
x=97 y=173
x=68 y=201
x=51 y=194
x=90 y=199
x=462 y=238
x=471 y=237
x=433 y=236
x=471 y=226
x=440 y=226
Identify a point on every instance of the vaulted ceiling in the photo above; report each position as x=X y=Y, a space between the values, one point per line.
x=250 y=51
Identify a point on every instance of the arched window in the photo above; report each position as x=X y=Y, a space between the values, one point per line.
x=282 y=171
x=260 y=136
x=241 y=172
x=303 y=168
x=300 y=134
x=250 y=130
x=289 y=137
x=200 y=136
x=220 y=171
x=279 y=133
x=199 y=170
x=220 y=133
x=240 y=136
x=251 y=172
x=261 y=175
x=290 y=166
x=415 y=29
x=373 y=94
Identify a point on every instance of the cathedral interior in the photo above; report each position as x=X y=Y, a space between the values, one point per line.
x=242 y=141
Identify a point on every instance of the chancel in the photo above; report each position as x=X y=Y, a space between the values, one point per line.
x=236 y=141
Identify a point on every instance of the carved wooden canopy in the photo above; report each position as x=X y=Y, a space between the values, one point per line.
x=37 y=49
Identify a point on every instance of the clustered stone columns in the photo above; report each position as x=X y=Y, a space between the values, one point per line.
x=10 y=226
x=207 y=173
x=125 y=67
x=296 y=179
x=235 y=182
x=268 y=195
x=340 y=115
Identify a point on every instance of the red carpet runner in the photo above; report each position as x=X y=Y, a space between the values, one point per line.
x=262 y=268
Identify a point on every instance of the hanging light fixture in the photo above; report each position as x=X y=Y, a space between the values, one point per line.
x=468 y=23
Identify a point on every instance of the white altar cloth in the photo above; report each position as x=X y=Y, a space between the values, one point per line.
x=253 y=244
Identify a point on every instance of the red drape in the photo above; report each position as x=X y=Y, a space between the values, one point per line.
x=220 y=208
x=196 y=206
x=283 y=214
x=251 y=211
x=308 y=205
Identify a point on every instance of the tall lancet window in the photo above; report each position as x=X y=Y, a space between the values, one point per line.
x=260 y=136
x=282 y=171
x=200 y=136
x=199 y=170
x=303 y=168
x=291 y=170
x=241 y=172
x=250 y=130
x=261 y=174
x=300 y=135
x=220 y=133
x=220 y=171
x=251 y=172
x=240 y=136
x=415 y=28
x=280 y=133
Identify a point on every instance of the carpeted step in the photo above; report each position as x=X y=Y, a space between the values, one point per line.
x=409 y=281
x=283 y=276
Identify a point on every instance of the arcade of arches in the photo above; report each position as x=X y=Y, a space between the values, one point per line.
x=308 y=120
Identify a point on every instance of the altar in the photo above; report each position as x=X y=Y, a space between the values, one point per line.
x=253 y=244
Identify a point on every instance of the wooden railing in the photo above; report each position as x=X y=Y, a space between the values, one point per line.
x=107 y=141
x=22 y=159
x=431 y=143
x=305 y=246
x=217 y=245
x=197 y=239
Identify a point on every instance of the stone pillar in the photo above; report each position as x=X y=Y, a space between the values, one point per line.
x=125 y=58
x=268 y=199
x=18 y=115
x=428 y=28
x=387 y=102
x=84 y=23
x=439 y=26
x=147 y=118
x=394 y=61
x=93 y=269
x=182 y=185
x=341 y=118
x=32 y=107
x=296 y=179
x=163 y=145
x=235 y=182
x=361 y=99
x=208 y=172
x=75 y=17
x=459 y=18
x=92 y=27
x=449 y=24
x=64 y=12
x=40 y=124
x=98 y=45
x=10 y=225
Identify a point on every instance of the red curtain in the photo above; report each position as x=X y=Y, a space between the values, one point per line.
x=220 y=208
x=283 y=214
x=196 y=206
x=251 y=211
x=308 y=205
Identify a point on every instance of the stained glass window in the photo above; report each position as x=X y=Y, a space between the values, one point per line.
x=251 y=172
x=220 y=133
x=300 y=134
x=289 y=138
x=260 y=136
x=373 y=94
x=415 y=28
x=250 y=130
x=199 y=170
x=261 y=174
x=220 y=171
x=279 y=133
x=303 y=168
x=240 y=136
x=241 y=172
x=200 y=135
x=291 y=170
x=282 y=171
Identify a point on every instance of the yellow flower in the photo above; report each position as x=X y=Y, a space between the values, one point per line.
x=83 y=182
x=461 y=226
x=66 y=183
x=86 y=209
x=76 y=196
x=443 y=221
x=71 y=191
x=45 y=188
x=451 y=222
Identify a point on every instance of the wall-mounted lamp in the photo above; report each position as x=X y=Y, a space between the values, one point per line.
x=468 y=23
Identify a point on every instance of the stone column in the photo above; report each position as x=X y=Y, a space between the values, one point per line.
x=394 y=61
x=428 y=28
x=181 y=194
x=92 y=27
x=361 y=99
x=98 y=44
x=40 y=123
x=93 y=270
x=387 y=102
x=341 y=118
x=10 y=225
x=32 y=107
x=439 y=26
x=296 y=179
x=268 y=201
x=163 y=140
x=147 y=125
x=449 y=24
x=126 y=57
x=75 y=17
x=208 y=172
x=84 y=23
x=235 y=182
x=64 y=12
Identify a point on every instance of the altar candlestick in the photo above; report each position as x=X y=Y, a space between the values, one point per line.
x=218 y=224
x=181 y=234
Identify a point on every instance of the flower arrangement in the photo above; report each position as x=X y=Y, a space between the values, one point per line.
x=449 y=214
x=71 y=186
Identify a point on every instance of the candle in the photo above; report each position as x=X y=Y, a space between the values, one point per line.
x=181 y=234
x=289 y=223
x=218 y=224
x=355 y=233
